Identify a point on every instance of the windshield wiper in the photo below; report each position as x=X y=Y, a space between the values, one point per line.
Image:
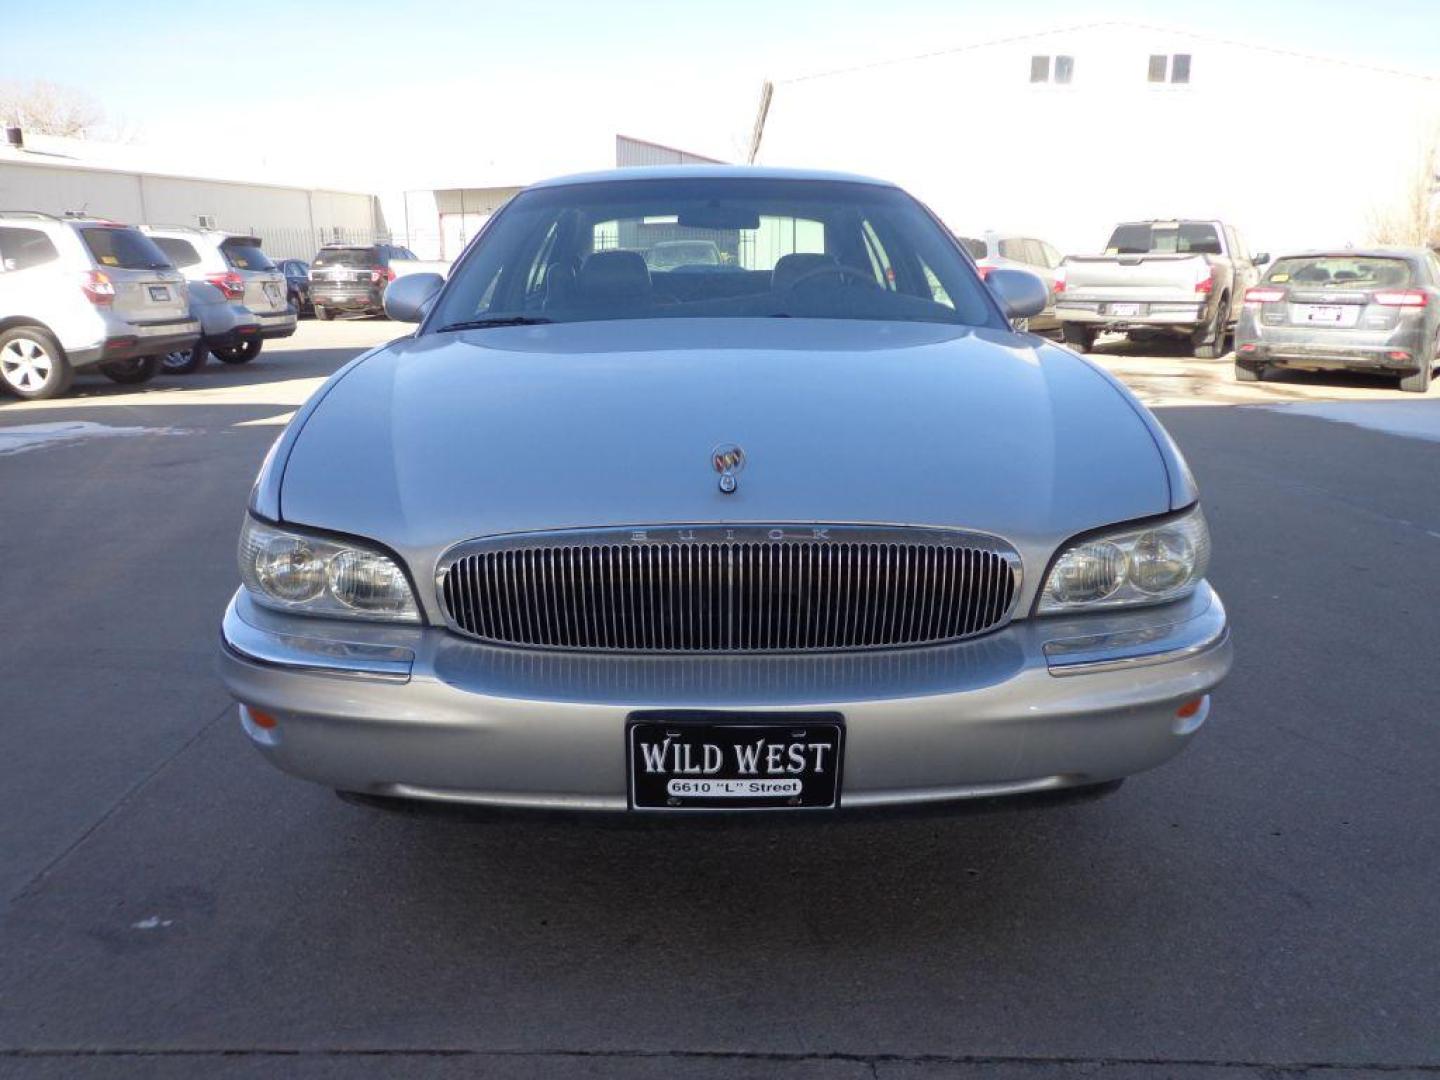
x=505 y=320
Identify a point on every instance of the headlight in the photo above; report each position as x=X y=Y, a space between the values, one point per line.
x=1130 y=566
x=295 y=572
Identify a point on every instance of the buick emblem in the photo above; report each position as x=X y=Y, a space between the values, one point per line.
x=727 y=459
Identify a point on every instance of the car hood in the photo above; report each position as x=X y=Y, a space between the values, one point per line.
x=446 y=437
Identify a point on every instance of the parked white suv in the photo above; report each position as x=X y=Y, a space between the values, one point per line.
x=237 y=267
x=79 y=293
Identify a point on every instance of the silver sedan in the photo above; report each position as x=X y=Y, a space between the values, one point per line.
x=805 y=529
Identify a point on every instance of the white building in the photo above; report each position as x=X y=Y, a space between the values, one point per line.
x=1062 y=133
x=142 y=185
x=437 y=223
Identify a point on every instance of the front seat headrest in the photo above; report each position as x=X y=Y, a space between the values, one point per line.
x=614 y=275
x=790 y=268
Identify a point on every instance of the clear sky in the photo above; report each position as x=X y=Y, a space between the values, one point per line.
x=466 y=88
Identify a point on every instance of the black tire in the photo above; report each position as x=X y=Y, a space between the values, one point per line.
x=32 y=364
x=1078 y=336
x=132 y=372
x=322 y=313
x=239 y=354
x=186 y=362
x=1419 y=383
x=1244 y=373
x=1212 y=345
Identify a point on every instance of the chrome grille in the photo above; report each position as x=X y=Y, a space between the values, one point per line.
x=730 y=589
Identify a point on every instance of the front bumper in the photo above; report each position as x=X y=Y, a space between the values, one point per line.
x=419 y=712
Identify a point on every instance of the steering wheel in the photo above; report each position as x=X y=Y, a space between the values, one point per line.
x=839 y=270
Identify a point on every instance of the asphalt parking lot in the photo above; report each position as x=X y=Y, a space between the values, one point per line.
x=1266 y=905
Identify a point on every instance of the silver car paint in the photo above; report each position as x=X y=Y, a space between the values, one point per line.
x=448 y=436
x=458 y=721
x=610 y=423
x=49 y=296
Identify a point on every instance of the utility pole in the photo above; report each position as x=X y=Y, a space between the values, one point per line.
x=767 y=91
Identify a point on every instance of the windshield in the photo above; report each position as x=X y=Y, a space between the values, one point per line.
x=124 y=249
x=1341 y=272
x=1175 y=237
x=714 y=248
x=357 y=256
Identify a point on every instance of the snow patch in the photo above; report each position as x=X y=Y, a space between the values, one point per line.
x=16 y=440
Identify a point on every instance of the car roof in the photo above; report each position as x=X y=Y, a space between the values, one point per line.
x=1358 y=253
x=706 y=172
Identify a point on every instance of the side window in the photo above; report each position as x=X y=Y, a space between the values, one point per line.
x=1039 y=69
x=181 y=253
x=937 y=290
x=1434 y=261
x=1052 y=257
x=22 y=249
x=1013 y=248
x=1159 y=63
x=1035 y=253
x=535 y=279
x=879 y=260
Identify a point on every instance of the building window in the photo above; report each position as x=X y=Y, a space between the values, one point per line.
x=1040 y=69
x=1176 y=67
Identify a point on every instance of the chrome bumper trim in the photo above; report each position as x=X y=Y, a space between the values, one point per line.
x=318 y=656
x=1138 y=648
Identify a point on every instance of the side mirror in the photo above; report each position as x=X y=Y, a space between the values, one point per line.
x=407 y=299
x=1021 y=293
x=1262 y=258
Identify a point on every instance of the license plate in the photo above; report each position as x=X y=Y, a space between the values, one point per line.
x=687 y=761
x=1329 y=314
x=160 y=293
x=272 y=292
x=1127 y=311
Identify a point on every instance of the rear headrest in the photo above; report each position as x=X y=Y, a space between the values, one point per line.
x=789 y=268
x=614 y=275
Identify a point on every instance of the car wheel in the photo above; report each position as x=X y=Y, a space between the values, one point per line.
x=32 y=364
x=1419 y=383
x=1212 y=345
x=240 y=354
x=185 y=361
x=1078 y=336
x=323 y=314
x=138 y=369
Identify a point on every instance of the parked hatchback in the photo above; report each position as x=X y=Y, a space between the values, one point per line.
x=352 y=278
x=78 y=293
x=238 y=267
x=1375 y=311
x=994 y=249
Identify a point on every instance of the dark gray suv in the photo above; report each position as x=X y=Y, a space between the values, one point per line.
x=352 y=278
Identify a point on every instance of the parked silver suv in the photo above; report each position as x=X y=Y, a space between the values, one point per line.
x=81 y=292
x=993 y=249
x=237 y=267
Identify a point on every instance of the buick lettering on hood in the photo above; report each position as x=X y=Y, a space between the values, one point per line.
x=804 y=527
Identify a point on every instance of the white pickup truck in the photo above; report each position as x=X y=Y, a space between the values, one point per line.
x=1184 y=279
